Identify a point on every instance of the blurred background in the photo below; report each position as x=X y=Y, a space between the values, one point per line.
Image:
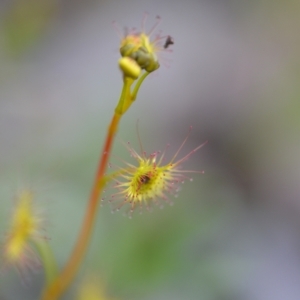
x=234 y=75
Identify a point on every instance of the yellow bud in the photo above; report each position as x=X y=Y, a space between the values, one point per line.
x=129 y=67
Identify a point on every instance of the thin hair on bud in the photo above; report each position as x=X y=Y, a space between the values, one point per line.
x=158 y=21
x=144 y=19
x=117 y=29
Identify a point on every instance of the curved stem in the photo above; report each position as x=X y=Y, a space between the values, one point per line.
x=47 y=258
x=138 y=85
x=60 y=284
x=125 y=99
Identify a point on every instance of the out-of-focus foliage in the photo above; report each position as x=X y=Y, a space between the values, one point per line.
x=25 y=21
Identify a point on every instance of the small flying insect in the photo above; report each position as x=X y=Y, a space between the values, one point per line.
x=169 y=41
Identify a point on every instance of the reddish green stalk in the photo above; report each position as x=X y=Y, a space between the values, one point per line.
x=60 y=284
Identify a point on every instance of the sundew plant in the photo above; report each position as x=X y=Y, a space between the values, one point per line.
x=147 y=182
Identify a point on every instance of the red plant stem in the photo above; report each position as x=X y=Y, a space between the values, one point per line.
x=61 y=283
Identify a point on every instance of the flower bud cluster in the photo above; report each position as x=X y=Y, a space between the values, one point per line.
x=140 y=49
x=140 y=53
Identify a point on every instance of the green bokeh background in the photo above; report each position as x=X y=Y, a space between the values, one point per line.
x=233 y=233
